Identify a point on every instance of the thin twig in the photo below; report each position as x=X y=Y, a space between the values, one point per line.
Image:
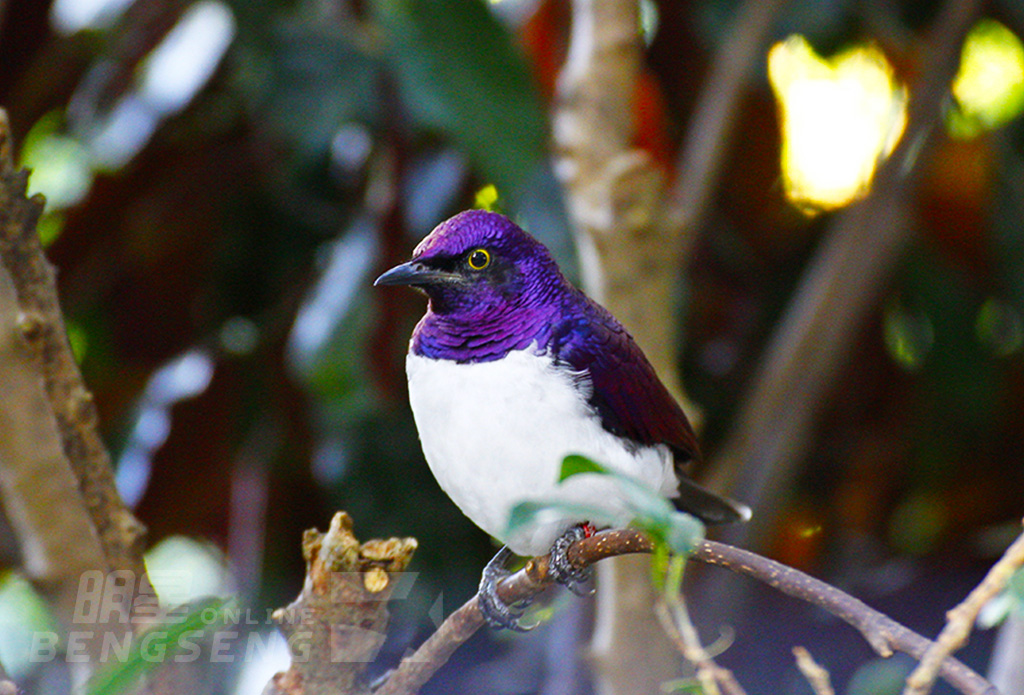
x=960 y=620
x=675 y=619
x=680 y=628
x=884 y=634
x=814 y=672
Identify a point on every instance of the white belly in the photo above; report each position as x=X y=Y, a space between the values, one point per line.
x=495 y=433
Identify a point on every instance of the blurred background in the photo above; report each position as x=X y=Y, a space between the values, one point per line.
x=225 y=178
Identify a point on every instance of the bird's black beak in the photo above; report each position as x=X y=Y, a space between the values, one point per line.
x=415 y=274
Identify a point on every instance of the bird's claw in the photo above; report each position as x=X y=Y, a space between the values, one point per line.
x=500 y=614
x=564 y=572
x=496 y=612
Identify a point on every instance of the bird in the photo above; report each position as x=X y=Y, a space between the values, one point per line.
x=511 y=369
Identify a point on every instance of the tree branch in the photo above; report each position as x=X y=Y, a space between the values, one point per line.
x=42 y=327
x=675 y=620
x=613 y=193
x=56 y=549
x=960 y=620
x=816 y=675
x=884 y=634
x=338 y=623
x=51 y=453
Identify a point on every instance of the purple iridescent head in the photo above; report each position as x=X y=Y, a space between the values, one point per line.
x=479 y=265
x=492 y=288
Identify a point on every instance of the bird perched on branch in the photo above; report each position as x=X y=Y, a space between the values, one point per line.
x=511 y=370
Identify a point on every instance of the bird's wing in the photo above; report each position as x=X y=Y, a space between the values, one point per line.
x=626 y=393
x=634 y=404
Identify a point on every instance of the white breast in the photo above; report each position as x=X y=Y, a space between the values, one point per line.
x=495 y=433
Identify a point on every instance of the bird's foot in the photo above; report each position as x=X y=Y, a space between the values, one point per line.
x=496 y=612
x=564 y=572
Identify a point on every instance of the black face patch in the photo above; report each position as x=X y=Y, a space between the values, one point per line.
x=449 y=264
x=498 y=271
x=502 y=275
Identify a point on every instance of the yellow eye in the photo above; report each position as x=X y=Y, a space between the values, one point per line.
x=479 y=259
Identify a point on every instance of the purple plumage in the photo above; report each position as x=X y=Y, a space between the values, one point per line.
x=514 y=303
x=529 y=304
x=494 y=290
x=626 y=393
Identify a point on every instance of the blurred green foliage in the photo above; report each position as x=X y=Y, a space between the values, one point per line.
x=180 y=638
x=481 y=96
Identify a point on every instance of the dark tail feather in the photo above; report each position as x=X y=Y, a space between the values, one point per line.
x=707 y=506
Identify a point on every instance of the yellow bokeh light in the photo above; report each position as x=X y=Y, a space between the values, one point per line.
x=487 y=198
x=989 y=87
x=840 y=117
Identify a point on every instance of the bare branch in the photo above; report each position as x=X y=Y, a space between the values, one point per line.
x=42 y=327
x=814 y=672
x=339 y=621
x=681 y=631
x=417 y=669
x=960 y=620
x=51 y=454
x=613 y=193
x=56 y=549
x=884 y=634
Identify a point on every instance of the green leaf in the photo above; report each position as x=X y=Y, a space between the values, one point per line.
x=685 y=531
x=460 y=73
x=643 y=508
x=682 y=685
x=526 y=514
x=651 y=511
x=24 y=614
x=1011 y=600
x=164 y=640
x=674 y=539
x=574 y=464
x=659 y=565
x=487 y=198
